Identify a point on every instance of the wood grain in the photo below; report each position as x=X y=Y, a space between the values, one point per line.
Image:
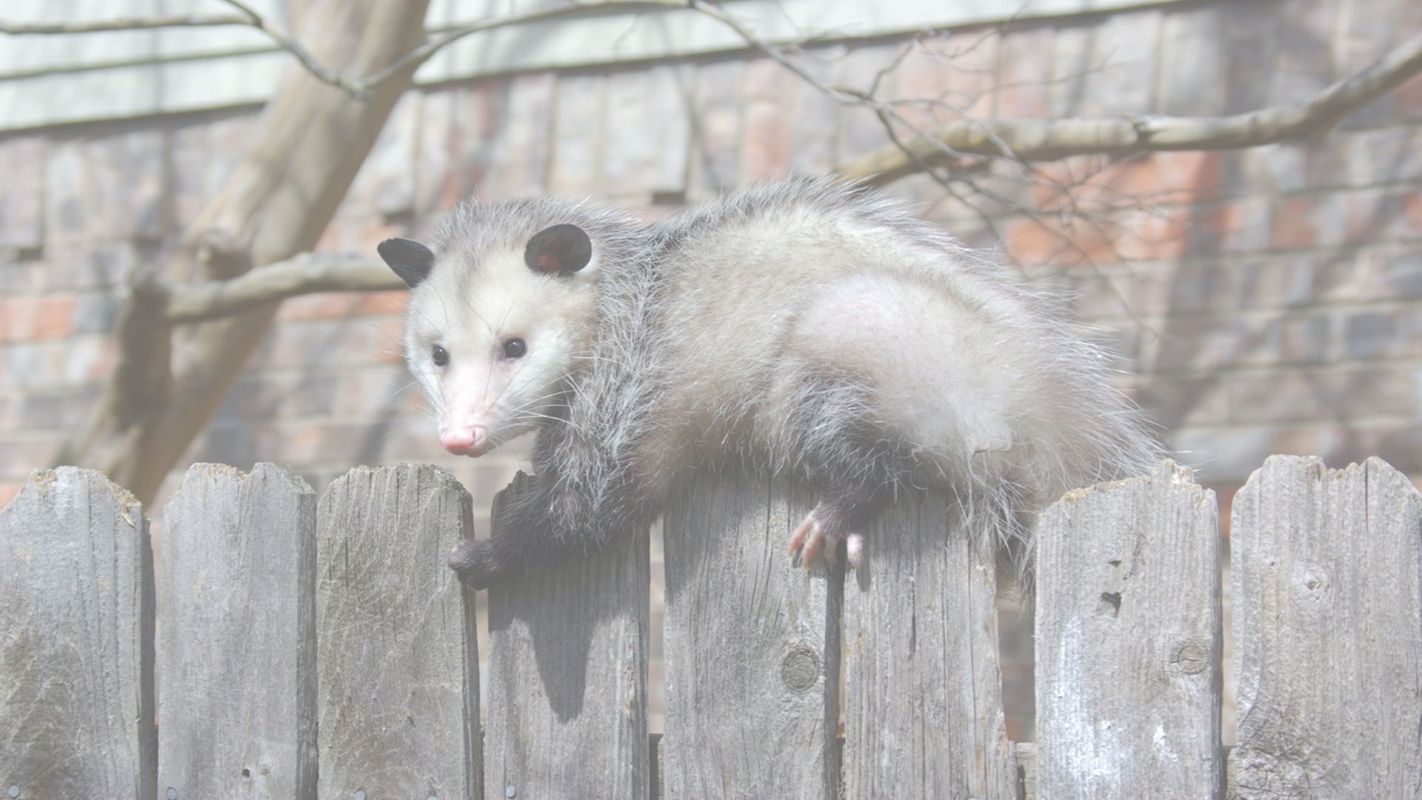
x=398 y=698
x=76 y=641
x=1128 y=641
x=567 y=675
x=923 y=698
x=237 y=646
x=751 y=647
x=1327 y=582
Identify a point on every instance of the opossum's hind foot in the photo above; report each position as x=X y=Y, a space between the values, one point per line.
x=817 y=537
x=835 y=519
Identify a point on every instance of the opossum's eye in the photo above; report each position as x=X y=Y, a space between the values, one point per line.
x=514 y=348
x=440 y=356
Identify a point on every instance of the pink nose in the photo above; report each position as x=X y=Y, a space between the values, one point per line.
x=465 y=441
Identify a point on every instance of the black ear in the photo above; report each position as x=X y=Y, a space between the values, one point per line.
x=561 y=250
x=412 y=261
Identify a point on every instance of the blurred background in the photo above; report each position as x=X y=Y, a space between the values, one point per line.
x=1264 y=292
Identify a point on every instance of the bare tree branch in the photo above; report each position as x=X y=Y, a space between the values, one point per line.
x=301 y=54
x=307 y=273
x=122 y=24
x=357 y=87
x=423 y=53
x=1048 y=140
x=1028 y=140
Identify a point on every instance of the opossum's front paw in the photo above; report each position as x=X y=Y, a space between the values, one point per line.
x=475 y=564
x=820 y=535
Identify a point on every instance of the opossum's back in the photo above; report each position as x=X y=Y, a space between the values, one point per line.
x=958 y=354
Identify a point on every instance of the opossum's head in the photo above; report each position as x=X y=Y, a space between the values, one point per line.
x=497 y=329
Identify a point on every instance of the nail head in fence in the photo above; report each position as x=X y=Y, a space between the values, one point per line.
x=1327 y=581
x=237 y=647
x=398 y=696
x=1128 y=641
x=750 y=658
x=567 y=674
x=923 y=698
x=76 y=666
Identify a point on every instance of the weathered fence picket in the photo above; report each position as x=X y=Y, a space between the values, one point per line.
x=567 y=676
x=76 y=641
x=1128 y=641
x=749 y=658
x=396 y=655
x=1327 y=578
x=923 y=706
x=265 y=625
x=237 y=647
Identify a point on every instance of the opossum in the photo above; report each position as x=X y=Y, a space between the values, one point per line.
x=806 y=328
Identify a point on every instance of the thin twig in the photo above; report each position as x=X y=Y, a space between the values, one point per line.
x=1050 y=140
x=121 y=24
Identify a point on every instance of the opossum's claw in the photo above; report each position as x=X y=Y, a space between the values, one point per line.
x=819 y=535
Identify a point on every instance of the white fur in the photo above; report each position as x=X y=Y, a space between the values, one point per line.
x=777 y=327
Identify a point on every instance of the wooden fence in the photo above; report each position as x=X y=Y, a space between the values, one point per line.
x=291 y=647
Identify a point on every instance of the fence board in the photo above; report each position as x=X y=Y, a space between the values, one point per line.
x=398 y=697
x=750 y=660
x=237 y=648
x=567 y=676
x=923 y=703
x=1128 y=641
x=1328 y=610
x=76 y=639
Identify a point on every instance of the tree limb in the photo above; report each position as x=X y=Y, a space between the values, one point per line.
x=1025 y=140
x=1048 y=140
x=307 y=273
x=304 y=154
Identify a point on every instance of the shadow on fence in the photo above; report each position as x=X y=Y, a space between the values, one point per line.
x=308 y=648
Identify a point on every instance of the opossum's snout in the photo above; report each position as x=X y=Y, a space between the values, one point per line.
x=466 y=440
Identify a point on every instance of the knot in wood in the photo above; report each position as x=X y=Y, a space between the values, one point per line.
x=800 y=669
x=1190 y=658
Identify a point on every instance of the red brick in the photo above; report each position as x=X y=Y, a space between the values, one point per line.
x=1152 y=235
x=1293 y=223
x=719 y=107
x=1024 y=88
x=765 y=138
x=1412 y=208
x=1408 y=97
x=30 y=319
x=946 y=77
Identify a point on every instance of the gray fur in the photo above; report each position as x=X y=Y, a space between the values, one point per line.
x=806 y=327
